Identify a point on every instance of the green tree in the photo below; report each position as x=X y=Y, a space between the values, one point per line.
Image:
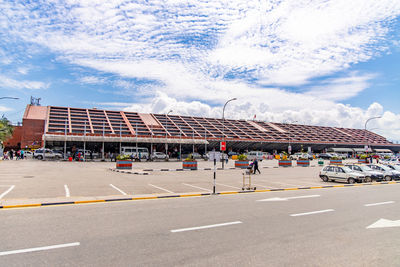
x=6 y=129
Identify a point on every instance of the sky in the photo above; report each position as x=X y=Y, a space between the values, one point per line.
x=315 y=62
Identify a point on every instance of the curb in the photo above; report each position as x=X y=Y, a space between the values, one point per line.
x=129 y=172
x=188 y=195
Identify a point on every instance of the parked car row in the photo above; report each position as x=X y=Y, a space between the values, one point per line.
x=351 y=173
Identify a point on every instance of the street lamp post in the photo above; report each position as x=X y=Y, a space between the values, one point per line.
x=365 y=131
x=223 y=126
x=290 y=147
x=166 y=132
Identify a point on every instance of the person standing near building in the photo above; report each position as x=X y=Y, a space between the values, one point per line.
x=255 y=166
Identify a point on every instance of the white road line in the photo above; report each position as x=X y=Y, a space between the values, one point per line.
x=378 y=203
x=312 y=212
x=198 y=187
x=204 y=227
x=229 y=186
x=67 y=194
x=4 y=253
x=116 y=188
x=7 y=191
x=166 y=190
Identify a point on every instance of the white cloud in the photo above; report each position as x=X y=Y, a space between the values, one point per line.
x=8 y=83
x=4 y=109
x=91 y=80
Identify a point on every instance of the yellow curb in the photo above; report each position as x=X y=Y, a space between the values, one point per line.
x=21 y=206
x=89 y=201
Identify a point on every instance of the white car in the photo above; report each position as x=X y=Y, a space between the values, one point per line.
x=46 y=154
x=387 y=172
x=369 y=173
x=159 y=155
x=259 y=155
x=297 y=156
x=340 y=173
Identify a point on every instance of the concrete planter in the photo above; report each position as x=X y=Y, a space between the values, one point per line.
x=285 y=163
x=124 y=165
x=303 y=162
x=241 y=164
x=189 y=165
x=335 y=161
x=362 y=161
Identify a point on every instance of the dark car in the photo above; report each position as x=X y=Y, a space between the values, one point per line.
x=325 y=156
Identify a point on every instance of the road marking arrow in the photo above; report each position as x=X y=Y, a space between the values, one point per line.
x=287 y=198
x=383 y=223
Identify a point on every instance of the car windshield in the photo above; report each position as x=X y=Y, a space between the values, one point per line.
x=386 y=168
x=347 y=169
x=365 y=168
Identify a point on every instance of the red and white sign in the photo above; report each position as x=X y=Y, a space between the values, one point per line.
x=223 y=146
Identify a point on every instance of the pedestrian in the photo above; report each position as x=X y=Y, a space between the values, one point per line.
x=91 y=155
x=255 y=166
x=22 y=154
x=11 y=154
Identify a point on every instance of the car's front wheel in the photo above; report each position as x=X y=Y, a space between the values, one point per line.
x=351 y=180
x=39 y=157
x=368 y=179
x=324 y=178
x=388 y=178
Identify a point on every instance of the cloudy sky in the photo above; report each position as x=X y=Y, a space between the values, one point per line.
x=319 y=62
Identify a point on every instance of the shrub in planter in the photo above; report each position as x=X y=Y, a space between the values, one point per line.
x=335 y=160
x=189 y=163
x=123 y=162
x=242 y=162
x=304 y=162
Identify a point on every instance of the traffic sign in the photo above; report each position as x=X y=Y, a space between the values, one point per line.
x=223 y=146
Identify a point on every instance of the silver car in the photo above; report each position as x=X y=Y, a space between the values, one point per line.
x=387 y=172
x=369 y=173
x=340 y=173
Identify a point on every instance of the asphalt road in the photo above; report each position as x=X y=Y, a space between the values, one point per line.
x=321 y=227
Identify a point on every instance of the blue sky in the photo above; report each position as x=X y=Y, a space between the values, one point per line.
x=318 y=62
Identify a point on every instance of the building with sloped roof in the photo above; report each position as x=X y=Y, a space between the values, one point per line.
x=52 y=126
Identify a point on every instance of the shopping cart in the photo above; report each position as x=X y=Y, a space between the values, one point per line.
x=247 y=179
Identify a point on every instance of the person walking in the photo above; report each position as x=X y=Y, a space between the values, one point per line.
x=255 y=166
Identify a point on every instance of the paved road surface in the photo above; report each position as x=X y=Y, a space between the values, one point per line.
x=323 y=227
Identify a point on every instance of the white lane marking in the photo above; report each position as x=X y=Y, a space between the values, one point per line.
x=4 y=253
x=67 y=194
x=383 y=223
x=205 y=227
x=312 y=212
x=198 y=187
x=7 y=191
x=287 y=198
x=229 y=186
x=166 y=190
x=378 y=203
x=116 y=188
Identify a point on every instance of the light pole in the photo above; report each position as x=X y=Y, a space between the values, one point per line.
x=166 y=132
x=289 y=147
x=223 y=127
x=365 y=132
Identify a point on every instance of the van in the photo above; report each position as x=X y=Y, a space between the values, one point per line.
x=259 y=155
x=132 y=151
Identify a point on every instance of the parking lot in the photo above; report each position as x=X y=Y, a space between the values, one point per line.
x=34 y=179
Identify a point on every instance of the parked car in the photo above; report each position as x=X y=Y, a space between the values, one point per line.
x=340 y=173
x=46 y=153
x=325 y=156
x=387 y=172
x=255 y=154
x=395 y=168
x=369 y=173
x=194 y=155
x=299 y=155
x=159 y=155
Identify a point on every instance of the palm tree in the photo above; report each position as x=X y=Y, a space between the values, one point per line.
x=6 y=129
